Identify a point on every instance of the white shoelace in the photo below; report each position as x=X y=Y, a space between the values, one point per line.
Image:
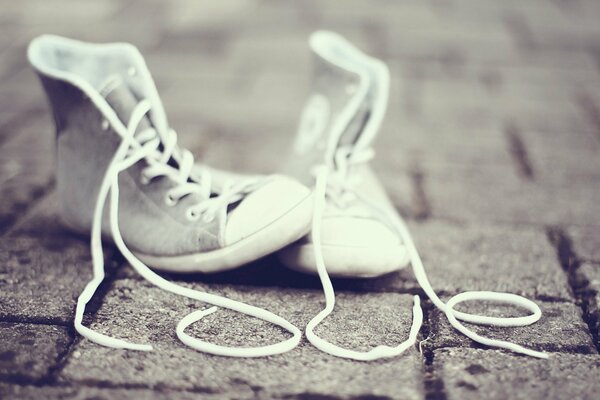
x=146 y=145
x=327 y=188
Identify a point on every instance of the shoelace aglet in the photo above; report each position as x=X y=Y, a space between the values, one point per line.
x=139 y=347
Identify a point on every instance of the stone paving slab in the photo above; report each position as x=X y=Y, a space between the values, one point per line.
x=561 y=328
x=457 y=258
x=21 y=90
x=492 y=137
x=458 y=98
x=493 y=374
x=461 y=257
x=412 y=140
x=270 y=272
x=233 y=101
x=138 y=312
x=87 y=393
x=41 y=278
x=26 y=165
x=465 y=194
x=43 y=268
x=586 y=242
x=29 y=351
x=589 y=274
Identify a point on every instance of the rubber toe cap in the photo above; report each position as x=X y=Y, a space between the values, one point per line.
x=264 y=206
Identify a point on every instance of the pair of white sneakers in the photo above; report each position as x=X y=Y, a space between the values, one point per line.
x=122 y=177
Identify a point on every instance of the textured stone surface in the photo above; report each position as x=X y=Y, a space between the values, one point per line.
x=43 y=268
x=86 y=393
x=270 y=272
x=473 y=374
x=457 y=257
x=141 y=313
x=589 y=280
x=41 y=278
x=466 y=194
x=561 y=328
x=26 y=165
x=490 y=141
x=28 y=351
x=461 y=257
x=586 y=243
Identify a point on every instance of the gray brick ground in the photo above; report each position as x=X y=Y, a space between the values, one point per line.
x=138 y=312
x=589 y=276
x=461 y=257
x=28 y=351
x=561 y=328
x=457 y=258
x=465 y=194
x=41 y=278
x=87 y=393
x=586 y=242
x=473 y=374
x=492 y=136
x=26 y=164
x=43 y=268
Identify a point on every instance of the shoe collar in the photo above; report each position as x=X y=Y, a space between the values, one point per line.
x=47 y=54
x=372 y=88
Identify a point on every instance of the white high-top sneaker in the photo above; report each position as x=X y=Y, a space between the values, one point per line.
x=356 y=230
x=337 y=127
x=115 y=146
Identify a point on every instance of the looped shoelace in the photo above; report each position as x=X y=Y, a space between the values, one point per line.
x=325 y=189
x=145 y=145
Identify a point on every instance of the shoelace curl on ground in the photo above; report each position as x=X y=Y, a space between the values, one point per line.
x=327 y=188
x=145 y=145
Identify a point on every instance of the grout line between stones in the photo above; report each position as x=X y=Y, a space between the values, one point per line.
x=91 y=310
x=518 y=151
x=570 y=263
x=591 y=111
x=104 y=384
x=13 y=319
x=433 y=384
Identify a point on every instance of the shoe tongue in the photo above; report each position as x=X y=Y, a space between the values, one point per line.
x=344 y=87
x=122 y=100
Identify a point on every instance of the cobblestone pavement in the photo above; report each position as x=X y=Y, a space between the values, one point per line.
x=490 y=148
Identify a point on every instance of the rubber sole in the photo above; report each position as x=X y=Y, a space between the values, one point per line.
x=346 y=261
x=285 y=230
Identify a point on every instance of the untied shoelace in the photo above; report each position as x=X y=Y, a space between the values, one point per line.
x=331 y=186
x=146 y=145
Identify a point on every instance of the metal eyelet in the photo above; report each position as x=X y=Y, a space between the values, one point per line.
x=169 y=200
x=144 y=180
x=191 y=215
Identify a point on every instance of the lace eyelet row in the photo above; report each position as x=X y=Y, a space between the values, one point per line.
x=190 y=213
